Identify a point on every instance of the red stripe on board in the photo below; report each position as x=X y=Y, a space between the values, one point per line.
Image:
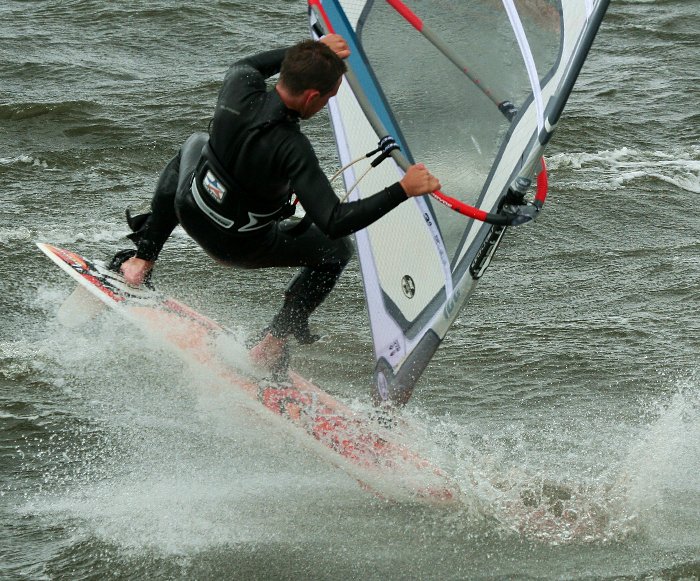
x=182 y=309
x=70 y=258
x=407 y=13
x=100 y=284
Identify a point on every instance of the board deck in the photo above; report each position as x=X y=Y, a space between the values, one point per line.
x=362 y=447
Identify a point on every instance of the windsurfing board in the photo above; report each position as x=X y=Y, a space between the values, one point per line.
x=367 y=451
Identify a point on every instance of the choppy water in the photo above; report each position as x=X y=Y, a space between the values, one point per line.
x=566 y=401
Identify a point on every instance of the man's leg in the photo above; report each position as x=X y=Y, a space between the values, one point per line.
x=305 y=292
x=155 y=227
x=324 y=261
x=150 y=231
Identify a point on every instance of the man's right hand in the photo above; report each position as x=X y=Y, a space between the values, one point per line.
x=419 y=181
x=135 y=270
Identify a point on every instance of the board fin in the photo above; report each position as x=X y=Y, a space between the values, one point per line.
x=80 y=308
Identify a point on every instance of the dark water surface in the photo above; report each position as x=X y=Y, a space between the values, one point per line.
x=566 y=401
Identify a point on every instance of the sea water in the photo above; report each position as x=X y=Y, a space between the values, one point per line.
x=565 y=401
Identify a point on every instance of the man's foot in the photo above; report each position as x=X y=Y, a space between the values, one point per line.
x=134 y=270
x=273 y=354
x=120 y=258
x=304 y=335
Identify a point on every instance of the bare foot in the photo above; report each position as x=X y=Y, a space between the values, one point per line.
x=268 y=351
x=135 y=270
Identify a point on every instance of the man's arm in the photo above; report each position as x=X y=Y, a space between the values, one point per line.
x=266 y=63
x=337 y=219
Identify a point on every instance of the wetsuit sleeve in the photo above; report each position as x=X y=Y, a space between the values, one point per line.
x=266 y=63
x=322 y=204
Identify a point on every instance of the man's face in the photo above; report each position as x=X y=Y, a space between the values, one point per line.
x=316 y=101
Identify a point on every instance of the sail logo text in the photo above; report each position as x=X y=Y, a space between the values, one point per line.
x=451 y=304
x=394 y=348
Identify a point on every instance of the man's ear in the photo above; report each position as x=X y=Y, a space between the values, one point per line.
x=308 y=100
x=310 y=95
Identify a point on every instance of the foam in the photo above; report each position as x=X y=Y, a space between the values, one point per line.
x=679 y=167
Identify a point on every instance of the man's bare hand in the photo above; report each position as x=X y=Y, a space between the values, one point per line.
x=135 y=270
x=419 y=181
x=337 y=44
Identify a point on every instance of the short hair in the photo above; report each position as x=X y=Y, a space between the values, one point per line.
x=311 y=65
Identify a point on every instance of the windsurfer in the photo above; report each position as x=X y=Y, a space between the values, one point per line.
x=231 y=188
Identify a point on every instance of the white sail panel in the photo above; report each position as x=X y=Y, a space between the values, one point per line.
x=396 y=246
x=474 y=90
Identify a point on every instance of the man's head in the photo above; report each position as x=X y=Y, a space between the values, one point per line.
x=310 y=75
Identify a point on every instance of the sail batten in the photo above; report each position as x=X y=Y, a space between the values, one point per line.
x=474 y=90
x=528 y=59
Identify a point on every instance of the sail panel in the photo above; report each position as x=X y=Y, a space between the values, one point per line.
x=435 y=76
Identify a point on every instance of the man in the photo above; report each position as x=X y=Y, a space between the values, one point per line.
x=230 y=189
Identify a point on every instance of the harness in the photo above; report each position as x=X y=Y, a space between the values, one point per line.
x=211 y=183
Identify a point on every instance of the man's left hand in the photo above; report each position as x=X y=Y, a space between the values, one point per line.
x=337 y=44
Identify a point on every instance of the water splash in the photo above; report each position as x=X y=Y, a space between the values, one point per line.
x=602 y=481
x=155 y=454
x=553 y=506
x=662 y=472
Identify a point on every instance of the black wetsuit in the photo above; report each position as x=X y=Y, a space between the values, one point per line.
x=256 y=142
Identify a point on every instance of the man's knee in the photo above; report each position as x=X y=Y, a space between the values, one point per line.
x=195 y=141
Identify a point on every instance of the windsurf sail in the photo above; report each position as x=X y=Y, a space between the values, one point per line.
x=474 y=90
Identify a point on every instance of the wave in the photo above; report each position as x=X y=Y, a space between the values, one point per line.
x=32 y=110
x=71 y=118
x=24 y=159
x=89 y=232
x=20 y=233
x=679 y=167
